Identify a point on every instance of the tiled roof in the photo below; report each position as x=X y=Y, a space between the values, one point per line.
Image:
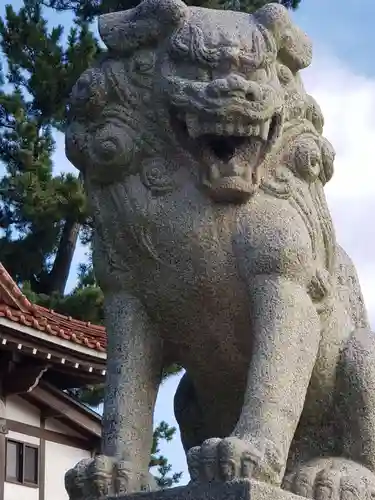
x=16 y=307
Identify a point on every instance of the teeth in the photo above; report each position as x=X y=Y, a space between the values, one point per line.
x=197 y=128
x=229 y=129
x=192 y=124
x=264 y=130
x=220 y=129
x=234 y=167
x=254 y=130
x=239 y=129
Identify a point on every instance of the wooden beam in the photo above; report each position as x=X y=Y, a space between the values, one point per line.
x=5 y=363
x=49 y=412
x=54 y=437
x=46 y=343
x=78 y=417
x=3 y=433
x=23 y=378
x=42 y=460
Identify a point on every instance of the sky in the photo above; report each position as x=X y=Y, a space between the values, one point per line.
x=342 y=80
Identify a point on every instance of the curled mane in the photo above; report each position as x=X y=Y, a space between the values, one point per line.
x=306 y=166
x=188 y=42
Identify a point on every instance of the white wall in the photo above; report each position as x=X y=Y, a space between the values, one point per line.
x=53 y=424
x=18 y=492
x=59 y=458
x=21 y=411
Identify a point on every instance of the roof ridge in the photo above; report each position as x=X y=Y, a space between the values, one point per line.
x=15 y=306
x=44 y=311
x=11 y=291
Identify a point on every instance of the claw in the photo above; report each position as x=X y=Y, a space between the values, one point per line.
x=193 y=462
x=209 y=459
x=331 y=479
x=353 y=488
x=99 y=477
x=230 y=459
x=225 y=460
x=123 y=477
x=75 y=480
x=327 y=484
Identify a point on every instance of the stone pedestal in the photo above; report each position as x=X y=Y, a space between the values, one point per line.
x=236 y=490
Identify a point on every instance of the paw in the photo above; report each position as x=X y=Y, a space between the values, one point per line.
x=232 y=458
x=96 y=478
x=331 y=479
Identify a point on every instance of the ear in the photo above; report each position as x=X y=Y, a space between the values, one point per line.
x=314 y=113
x=328 y=159
x=294 y=46
x=150 y=21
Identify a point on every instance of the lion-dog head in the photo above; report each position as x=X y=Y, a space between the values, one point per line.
x=201 y=90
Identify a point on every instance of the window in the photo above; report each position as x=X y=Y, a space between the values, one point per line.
x=22 y=463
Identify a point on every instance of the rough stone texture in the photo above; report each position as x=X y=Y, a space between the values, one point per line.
x=204 y=163
x=243 y=489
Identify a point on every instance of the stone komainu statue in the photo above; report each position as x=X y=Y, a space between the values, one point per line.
x=204 y=165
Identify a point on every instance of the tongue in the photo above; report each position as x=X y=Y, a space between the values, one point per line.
x=243 y=161
x=225 y=147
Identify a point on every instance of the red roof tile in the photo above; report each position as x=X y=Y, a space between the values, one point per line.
x=16 y=307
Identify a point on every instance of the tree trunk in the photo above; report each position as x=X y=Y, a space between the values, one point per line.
x=56 y=280
x=58 y=277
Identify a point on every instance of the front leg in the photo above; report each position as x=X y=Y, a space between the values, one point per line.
x=355 y=396
x=134 y=370
x=133 y=376
x=286 y=333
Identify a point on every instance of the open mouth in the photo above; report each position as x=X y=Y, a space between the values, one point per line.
x=231 y=154
x=224 y=148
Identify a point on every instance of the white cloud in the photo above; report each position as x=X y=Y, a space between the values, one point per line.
x=348 y=104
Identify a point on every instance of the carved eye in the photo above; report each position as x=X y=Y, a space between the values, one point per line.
x=110 y=150
x=89 y=93
x=307 y=158
x=144 y=62
x=284 y=74
x=202 y=75
x=155 y=177
x=328 y=158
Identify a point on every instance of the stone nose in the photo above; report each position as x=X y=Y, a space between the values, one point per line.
x=234 y=84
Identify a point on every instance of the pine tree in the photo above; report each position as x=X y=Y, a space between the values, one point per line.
x=88 y=10
x=41 y=213
x=163 y=432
